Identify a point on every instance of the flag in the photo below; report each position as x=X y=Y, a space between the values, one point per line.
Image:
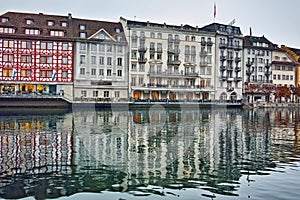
x=54 y=75
x=215 y=10
x=14 y=74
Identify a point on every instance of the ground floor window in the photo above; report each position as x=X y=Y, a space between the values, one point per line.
x=83 y=93
x=106 y=93
x=95 y=93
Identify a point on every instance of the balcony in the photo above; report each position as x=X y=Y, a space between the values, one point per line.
x=203 y=42
x=173 y=51
x=249 y=72
x=222 y=68
x=142 y=49
x=268 y=73
x=152 y=49
x=222 y=58
x=229 y=68
x=248 y=63
x=170 y=40
x=222 y=45
x=168 y=74
x=203 y=64
x=174 y=62
x=209 y=43
x=177 y=40
x=268 y=65
x=142 y=37
x=237 y=69
x=191 y=74
x=237 y=79
x=142 y=60
x=238 y=59
x=159 y=50
x=238 y=47
x=229 y=78
x=230 y=89
x=223 y=78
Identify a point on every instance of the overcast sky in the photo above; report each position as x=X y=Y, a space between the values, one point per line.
x=277 y=20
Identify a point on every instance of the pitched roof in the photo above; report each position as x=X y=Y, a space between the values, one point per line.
x=249 y=41
x=17 y=20
x=216 y=27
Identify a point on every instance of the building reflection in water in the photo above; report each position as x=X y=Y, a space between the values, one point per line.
x=52 y=156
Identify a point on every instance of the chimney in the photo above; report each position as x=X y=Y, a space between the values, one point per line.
x=69 y=16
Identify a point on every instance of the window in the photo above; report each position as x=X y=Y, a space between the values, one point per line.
x=119 y=61
x=64 y=74
x=95 y=93
x=82 y=34
x=7 y=30
x=119 y=38
x=82 y=46
x=102 y=47
x=4 y=19
x=106 y=94
x=159 y=36
x=57 y=33
x=118 y=30
x=27 y=45
x=49 y=45
x=108 y=72
x=117 y=94
x=50 y=23
x=9 y=58
x=152 y=35
x=29 y=31
x=82 y=27
x=152 y=46
x=29 y=21
x=187 y=38
x=274 y=77
x=141 y=80
x=82 y=59
x=133 y=81
x=134 y=55
x=133 y=67
x=43 y=45
x=120 y=49
x=109 y=61
x=93 y=60
x=291 y=77
x=94 y=47
x=193 y=38
x=46 y=59
x=101 y=60
x=83 y=93
x=82 y=71
x=142 y=68
x=278 y=76
x=101 y=72
x=109 y=48
x=159 y=46
x=193 y=50
x=209 y=49
x=187 y=49
x=119 y=72
x=65 y=60
x=64 y=24
x=65 y=46
x=93 y=72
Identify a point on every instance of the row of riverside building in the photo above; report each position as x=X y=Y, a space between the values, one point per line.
x=94 y=60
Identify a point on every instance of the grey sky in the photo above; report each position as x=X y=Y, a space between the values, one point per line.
x=276 y=19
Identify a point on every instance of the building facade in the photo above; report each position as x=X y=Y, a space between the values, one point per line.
x=228 y=57
x=36 y=54
x=295 y=55
x=100 y=61
x=169 y=62
x=283 y=68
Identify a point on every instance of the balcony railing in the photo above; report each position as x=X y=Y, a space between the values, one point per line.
x=222 y=45
x=268 y=72
x=203 y=42
x=238 y=59
x=222 y=68
x=203 y=53
x=230 y=58
x=230 y=89
x=229 y=68
x=142 y=49
x=174 y=62
x=249 y=71
x=222 y=58
x=236 y=79
x=209 y=43
x=237 y=69
x=142 y=60
x=223 y=78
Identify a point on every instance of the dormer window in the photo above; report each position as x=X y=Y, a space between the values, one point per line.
x=118 y=30
x=29 y=21
x=119 y=38
x=50 y=23
x=82 y=27
x=82 y=35
x=4 y=19
x=64 y=24
x=102 y=36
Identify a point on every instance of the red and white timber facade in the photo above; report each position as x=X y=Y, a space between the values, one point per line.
x=36 y=54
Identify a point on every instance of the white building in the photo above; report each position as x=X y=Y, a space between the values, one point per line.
x=169 y=62
x=228 y=56
x=100 y=61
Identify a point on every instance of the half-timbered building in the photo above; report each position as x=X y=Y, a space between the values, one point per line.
x=36 y=54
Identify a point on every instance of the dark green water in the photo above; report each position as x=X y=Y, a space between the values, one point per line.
x=156 y=154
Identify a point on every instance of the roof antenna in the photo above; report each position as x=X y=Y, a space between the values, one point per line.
x=134 y=17
x=250 y=31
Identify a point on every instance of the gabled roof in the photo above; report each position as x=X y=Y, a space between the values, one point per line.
x=17 y=20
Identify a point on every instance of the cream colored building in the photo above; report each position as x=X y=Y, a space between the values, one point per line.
x=283 y=69
x=169 y=62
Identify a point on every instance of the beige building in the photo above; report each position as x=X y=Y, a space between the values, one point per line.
x=169 y=62
x=283 y=68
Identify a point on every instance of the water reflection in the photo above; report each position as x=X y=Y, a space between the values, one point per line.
x=143 y=152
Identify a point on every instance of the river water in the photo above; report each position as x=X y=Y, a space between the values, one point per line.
x=150 y=154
